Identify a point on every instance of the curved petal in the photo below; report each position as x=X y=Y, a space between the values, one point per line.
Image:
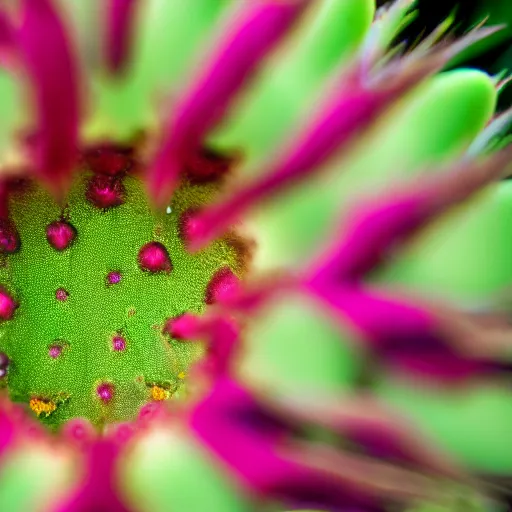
x=374 y=230
x=453 y=417
x=355 y=104
x=271 y=107
x=97 y=492
x=464 y=257
x=433 y=124
x=256 y=30
x=119 y=27
x=48 y=58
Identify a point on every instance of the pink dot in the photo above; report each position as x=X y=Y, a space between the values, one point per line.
x=172 y=327
x=61 y=295
x=55 y=351
x=113 y=277
x=60 y=235
x=105 y=391
x=223 y=285
x=7 y=305
x=153 y=257
x=118 y=343
x=105 y=191
x=109 y=160
x=187 y=224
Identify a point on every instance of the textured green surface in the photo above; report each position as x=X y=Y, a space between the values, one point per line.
x=431 y=125
x=84 y=325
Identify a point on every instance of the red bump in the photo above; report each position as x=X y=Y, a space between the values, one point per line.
x=105 y=392
x=61 y=295
x=7 y=305
x=187 y=225
x=105 y=191
x=169 y=328
x=223 y=285
x=4 y=364
x=153 y=257
x=60 y=234
x=118 y=343
x=109 y=161
x=9 y=238
x=207 y=165
x=55 y=351
x=113 y=278
x=4 y=360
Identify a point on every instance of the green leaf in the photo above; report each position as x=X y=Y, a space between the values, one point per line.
x=171 y=470
x=167 y=44
x=471 y=422
x=433 y=124
x=288 y=86
x=295 y=345
x=465 y=256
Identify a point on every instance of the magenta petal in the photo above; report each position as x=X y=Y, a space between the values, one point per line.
x=249 y=439
x=221 y=335
x=49 y=61
x=260 y=24
x=353 y=107
x=404 y=334
x=7 y=430
x=98 y=489
x=377 y=228
x=119 y=26
x=7 y=39
x=224 y=338
x=371 y=234
x=383 y=322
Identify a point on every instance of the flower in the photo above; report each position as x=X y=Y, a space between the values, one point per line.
x=181 y=360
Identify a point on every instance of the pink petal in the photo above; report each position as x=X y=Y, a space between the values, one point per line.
x=120 y=19
x=259 y=26
x=409 y=335
x=265 y=451
x=7 y=39
x=356 y=102
x=47 y=55
x=222 y=336
x=381 y=432
x=377 y=228
x=7 y=430
x=97 y=491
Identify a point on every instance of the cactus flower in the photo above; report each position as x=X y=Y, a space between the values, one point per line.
x=254 y=255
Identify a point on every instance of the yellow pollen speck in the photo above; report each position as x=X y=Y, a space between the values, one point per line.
x=158 y=394
x=39 y=406
x=182 y=375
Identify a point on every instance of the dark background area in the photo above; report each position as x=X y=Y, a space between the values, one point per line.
x=469 y=12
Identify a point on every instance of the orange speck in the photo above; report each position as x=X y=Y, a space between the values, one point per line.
x=158 y=394
x=39 y=406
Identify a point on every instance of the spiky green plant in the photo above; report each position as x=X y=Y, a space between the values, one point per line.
x=203 y=305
